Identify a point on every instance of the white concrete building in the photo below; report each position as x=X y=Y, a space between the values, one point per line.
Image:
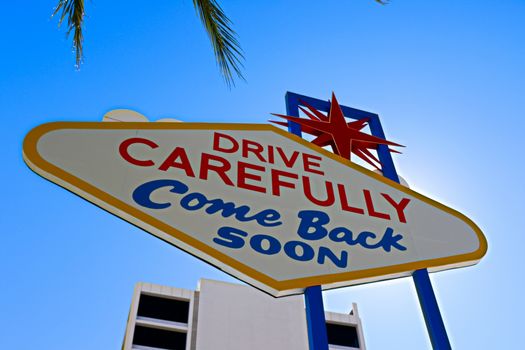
x=225 y=316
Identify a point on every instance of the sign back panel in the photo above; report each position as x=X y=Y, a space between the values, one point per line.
x=255 y=201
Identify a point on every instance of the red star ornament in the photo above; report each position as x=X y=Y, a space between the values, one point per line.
x=333 y=130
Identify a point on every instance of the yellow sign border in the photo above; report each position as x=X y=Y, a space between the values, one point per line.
x=50 y=172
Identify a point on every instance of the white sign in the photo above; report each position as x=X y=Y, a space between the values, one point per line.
x=257 y=202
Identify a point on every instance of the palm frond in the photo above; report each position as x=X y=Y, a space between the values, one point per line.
x=73 y=11
x=223 y=39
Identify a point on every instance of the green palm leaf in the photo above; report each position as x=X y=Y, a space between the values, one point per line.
x=226 y=47
x=73 y=10
x=223 y=38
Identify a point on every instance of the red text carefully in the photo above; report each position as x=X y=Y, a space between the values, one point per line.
x=263 y=172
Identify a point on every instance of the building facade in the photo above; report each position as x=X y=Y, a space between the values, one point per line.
x=225 y=316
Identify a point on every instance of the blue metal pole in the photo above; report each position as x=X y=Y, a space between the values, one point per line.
x=315 y=320
x=313 y=296
x=427 y=299
x=429 y=306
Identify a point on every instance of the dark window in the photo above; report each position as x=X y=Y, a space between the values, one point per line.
x=164 y=308
x=342 y=335
x=159 y=338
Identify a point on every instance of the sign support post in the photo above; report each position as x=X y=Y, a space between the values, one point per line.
x=427 y=299
x=313 y=296
x=316 y=323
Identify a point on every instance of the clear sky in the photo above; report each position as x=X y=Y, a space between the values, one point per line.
x=446 y=77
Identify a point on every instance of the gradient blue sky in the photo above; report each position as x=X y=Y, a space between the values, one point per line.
x=446 y=77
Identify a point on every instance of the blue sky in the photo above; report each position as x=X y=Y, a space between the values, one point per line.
x=446 y=77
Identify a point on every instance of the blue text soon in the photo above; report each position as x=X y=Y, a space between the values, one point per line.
x=311 y=227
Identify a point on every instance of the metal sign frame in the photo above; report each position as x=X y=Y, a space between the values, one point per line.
x=318 y=339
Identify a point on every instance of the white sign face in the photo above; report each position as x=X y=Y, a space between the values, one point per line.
x=257 y=202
